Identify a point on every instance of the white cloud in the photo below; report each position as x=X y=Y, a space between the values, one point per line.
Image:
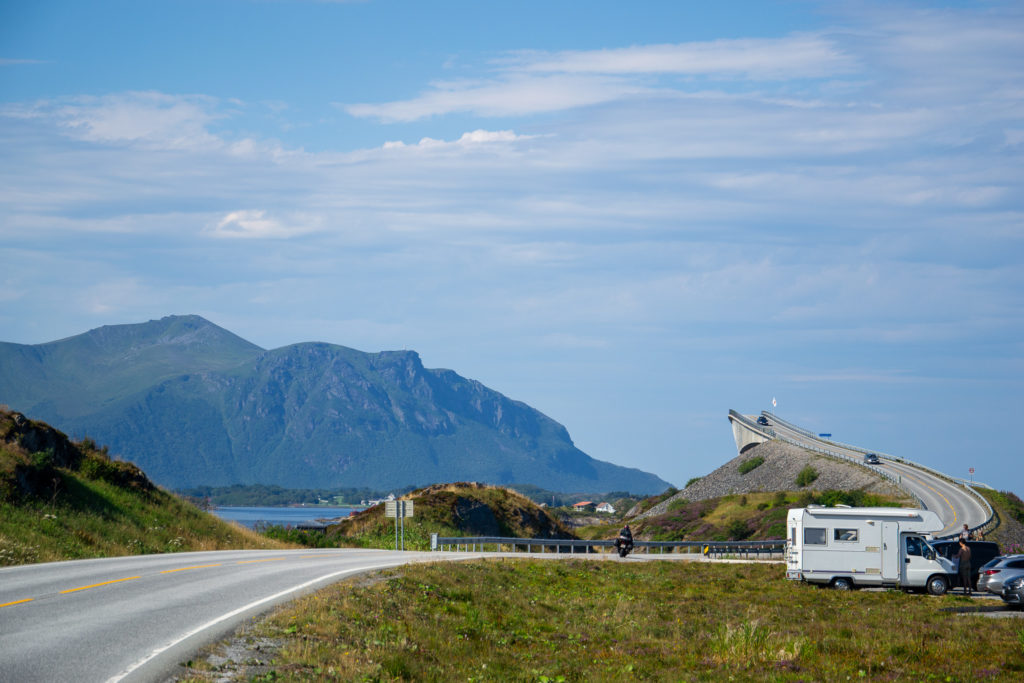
x=515 y=95
x=473 y=138
x=797 y=56
x=255 y=224
x=150 y=120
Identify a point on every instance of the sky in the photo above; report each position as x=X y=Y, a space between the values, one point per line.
x=630 y=216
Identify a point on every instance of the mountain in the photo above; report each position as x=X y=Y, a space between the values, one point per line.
x=193 y=404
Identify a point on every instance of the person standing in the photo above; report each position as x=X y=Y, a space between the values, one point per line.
x=965 y=535
x=964 y=557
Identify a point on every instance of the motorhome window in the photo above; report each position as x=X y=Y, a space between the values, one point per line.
x=913 y=546
x=792 y=535
x=814 y=536
x=846 y=535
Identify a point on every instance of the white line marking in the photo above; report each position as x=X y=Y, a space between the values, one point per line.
x=210 y=624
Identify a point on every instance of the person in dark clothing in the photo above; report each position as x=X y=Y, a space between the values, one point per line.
x=625 y=537
x=964 y=556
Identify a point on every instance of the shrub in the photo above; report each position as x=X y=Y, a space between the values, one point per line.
x=752 y=464
x=692 y=480
x=738 y=530
x=807 y=475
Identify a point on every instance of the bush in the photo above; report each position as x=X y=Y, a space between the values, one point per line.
x=752 y=464
x=807 y=475
x=738 y=530
x=692 y=480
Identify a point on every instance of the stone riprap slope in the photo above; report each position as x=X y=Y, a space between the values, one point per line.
x=782 y=463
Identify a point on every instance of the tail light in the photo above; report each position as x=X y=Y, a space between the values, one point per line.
x=990 y=572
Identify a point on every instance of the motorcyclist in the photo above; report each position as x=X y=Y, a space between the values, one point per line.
x=625 y=537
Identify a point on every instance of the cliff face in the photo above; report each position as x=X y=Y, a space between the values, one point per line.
x=195 y=405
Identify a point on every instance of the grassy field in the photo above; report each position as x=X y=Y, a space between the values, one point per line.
x=578 y=620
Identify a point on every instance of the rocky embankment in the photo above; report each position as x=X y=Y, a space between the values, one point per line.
x=782 y=463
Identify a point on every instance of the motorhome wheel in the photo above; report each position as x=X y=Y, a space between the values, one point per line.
x=842 y=584
x=938 y=585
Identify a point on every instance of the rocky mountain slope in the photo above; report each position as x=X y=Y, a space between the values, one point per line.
x=194 y=404
x=782 y=464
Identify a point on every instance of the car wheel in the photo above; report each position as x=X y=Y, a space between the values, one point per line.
x=938 y=585
x=842 y=584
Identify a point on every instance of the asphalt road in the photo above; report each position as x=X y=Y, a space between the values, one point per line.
x=137 y=618
x=954 y=505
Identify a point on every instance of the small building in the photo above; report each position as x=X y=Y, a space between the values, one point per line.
x=606 y=507
x=583 y=506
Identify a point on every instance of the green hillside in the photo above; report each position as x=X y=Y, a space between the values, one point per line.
x=61 y=500
x=460 y=509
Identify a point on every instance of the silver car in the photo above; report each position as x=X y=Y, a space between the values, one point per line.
x=992 y=575
x=1013 y=591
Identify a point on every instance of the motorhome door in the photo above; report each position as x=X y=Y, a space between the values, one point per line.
x=890 y=551
x=916 y=567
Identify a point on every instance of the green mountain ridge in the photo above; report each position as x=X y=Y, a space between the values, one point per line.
x=193 y=404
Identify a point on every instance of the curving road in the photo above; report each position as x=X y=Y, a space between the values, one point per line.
x=954 y=504
x=137 y=618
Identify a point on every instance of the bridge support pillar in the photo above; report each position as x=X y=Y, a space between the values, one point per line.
x=745 y=437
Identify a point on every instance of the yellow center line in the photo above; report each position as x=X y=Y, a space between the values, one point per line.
x=103 y=583
x=939 y=494
x=269 y=559
x=185 y=569
x=17 y=602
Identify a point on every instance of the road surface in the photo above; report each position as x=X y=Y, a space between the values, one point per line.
x=137 y=618
x=954 y=504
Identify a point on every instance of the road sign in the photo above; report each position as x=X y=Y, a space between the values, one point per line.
x=971 y=470
x=398 y=508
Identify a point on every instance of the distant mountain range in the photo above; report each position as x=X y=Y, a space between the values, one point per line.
x=193 y=404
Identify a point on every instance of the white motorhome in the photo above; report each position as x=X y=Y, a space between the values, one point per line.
x=847 y=547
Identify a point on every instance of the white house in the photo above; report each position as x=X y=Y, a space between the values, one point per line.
x=606 y=507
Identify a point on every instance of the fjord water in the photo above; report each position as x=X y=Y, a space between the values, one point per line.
x=281 y=516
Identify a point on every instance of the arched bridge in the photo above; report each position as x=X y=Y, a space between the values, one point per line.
x=954 y=500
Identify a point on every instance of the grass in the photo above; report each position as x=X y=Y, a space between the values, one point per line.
x=574 y=620
x=72 y=501
x=806 y=476
x=750 y=465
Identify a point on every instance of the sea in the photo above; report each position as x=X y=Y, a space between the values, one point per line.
x=249 y=516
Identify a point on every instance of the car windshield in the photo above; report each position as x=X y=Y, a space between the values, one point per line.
x=991 y=563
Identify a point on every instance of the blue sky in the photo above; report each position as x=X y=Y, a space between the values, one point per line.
x=633 y=218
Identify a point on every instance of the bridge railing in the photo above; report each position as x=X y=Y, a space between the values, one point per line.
x=988 y=525
x=744 y=549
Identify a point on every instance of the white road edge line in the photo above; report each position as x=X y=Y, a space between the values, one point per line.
x=210 y=624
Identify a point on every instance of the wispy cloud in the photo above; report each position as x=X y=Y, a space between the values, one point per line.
x=148 y=119
x=797 y=56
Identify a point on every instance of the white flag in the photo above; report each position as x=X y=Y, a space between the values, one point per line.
x=773 y=402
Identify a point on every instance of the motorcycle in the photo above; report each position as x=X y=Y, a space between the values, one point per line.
x=624 y=545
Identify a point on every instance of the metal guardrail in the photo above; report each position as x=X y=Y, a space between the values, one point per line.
x=760 y=549
x=985 y=527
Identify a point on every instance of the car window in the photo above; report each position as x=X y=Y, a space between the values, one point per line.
x=913 y=545
x=1015 y=564
x=991 y=563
